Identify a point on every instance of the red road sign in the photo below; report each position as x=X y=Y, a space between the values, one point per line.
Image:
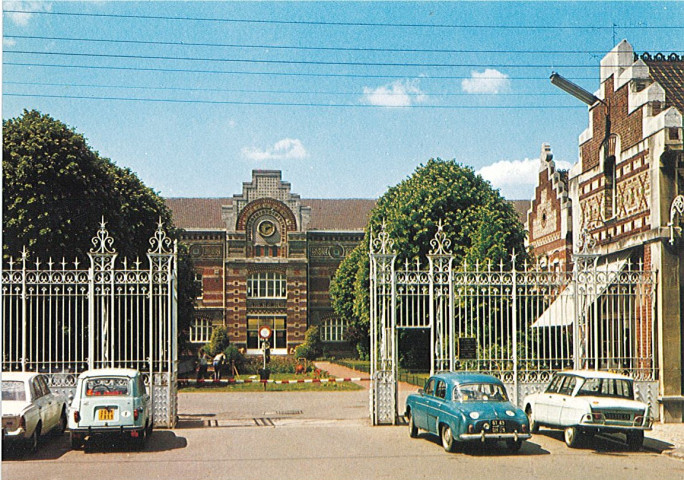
x=265 y=332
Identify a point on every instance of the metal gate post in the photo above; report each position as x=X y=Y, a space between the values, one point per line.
x=24 y=315
x=514 y=327
x=433 y=323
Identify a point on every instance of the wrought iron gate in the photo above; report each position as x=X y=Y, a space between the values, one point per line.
x=61 y=321
x=519 y=325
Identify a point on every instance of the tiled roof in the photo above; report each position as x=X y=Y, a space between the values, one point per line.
x=326 y=214
x=669 y=73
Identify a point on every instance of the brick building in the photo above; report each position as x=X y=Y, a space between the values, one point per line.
x=265 y=257
x=621 y=192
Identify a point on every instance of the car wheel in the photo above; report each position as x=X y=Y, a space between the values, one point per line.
x=534 y=426
x=448 y=439
x=635 y=440
x=76 y=441
x=413 y=430
x=513 y=445
x=572 y=437
x=62 y=425
x=139 y=441
x=34 y=440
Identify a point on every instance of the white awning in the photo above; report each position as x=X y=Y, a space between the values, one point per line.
x=561 y=312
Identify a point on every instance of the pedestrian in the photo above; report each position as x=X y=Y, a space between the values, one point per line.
x=202 y=368
x=219 y=361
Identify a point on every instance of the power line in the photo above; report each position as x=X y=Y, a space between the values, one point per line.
x=296 y=104
x=308 y=48
x=275 y=74
x=299 y=62
x=349 y=24
x=247 y=90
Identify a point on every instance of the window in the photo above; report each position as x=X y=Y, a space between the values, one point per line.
x=440 y=391
x=334 y=330
x=199 y=284
x=266 y=285
x=481 y=392
x=276 y=324
x=610 y=200
x=568 y=385
x=13 y=391
x=109 y=386
x=200 y=330
x=607 y=387
x=555 y=384
x=430 y=386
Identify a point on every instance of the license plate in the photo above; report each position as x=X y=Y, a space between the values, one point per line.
x=105 y=414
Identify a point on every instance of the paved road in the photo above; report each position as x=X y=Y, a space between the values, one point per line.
x=322 y=435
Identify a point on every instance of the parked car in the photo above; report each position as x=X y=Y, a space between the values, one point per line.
x=585 y=402
x=463 y=407
x=30 y=409
x=110 y=401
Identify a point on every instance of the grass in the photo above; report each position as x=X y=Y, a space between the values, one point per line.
x=274 y=387
x=414 y=378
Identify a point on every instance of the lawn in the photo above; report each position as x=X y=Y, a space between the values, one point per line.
x=273 y=387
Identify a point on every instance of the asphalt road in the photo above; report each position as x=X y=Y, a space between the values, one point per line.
x=294 y=435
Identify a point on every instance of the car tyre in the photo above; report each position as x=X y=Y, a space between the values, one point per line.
x=514 y=445
x=572 y=436
x=139 y=442
x=34 y=440
x=448 y=441
x=62 y=425
x=76 y=441
x=534 y=425
x=635 y=440
x=413 y=430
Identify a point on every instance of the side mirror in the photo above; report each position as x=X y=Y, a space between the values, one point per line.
x=421 y=391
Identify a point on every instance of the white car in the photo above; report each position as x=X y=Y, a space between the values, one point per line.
x=585 y=402
x=30 y=409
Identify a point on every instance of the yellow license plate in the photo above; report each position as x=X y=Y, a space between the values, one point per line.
x=105 y=414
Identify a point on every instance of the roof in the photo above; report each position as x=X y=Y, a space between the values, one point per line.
x=467 y=377
x=327 y=214
x=669 y=73
x=596 y=374
x=105 y=372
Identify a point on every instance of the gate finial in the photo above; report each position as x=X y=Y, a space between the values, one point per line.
x=440 y=244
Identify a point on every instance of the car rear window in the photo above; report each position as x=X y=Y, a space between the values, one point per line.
x=13 y=391
x=480 y=392
x=607 y=387
x=107 y=386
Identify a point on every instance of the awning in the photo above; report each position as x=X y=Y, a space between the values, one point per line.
x=561 y=312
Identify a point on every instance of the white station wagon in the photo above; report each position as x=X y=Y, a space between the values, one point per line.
x=585 y=402
x=30 y=409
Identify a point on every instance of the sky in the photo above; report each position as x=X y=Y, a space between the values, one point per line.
x=347 y=99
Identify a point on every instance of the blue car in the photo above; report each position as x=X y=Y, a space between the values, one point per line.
x=463 y=407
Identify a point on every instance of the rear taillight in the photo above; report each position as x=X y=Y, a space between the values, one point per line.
x=136 y=413
x=77 y=416
x=524 y=428
x=471 y=429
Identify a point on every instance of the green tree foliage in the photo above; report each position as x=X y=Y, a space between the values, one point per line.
x=218 y=342
x=312 y=347
x=56 y=190
x=481 y=225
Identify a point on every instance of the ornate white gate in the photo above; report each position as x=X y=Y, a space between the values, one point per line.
x=519 y=325
x=61 y=321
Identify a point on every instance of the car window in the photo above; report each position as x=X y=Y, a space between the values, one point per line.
x=555 y=384
x=109 y=386
x=13 y=391
x=141 y=386
x=568 y=385
x=43 y=385
x=36 y=389
x=440 y=391
x=430 y=387
x=607 y=387
x=480 y=392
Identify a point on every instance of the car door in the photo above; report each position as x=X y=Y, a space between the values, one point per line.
x=54 y=405
x=563 y=396
x=542 y=411
x=420 y=416
x=40 y=401
x=436 y=406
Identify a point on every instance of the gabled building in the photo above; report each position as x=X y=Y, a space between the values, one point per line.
x=621 y=193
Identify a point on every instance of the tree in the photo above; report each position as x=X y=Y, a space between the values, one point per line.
x=218 y=342
x=56 y=190
x=481 y=225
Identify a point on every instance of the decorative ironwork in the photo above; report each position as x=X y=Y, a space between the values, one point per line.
x=677 y=208
x=62 y=321
x=440 y=244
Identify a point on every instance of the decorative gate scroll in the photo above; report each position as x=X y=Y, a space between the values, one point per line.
x=61 y=321
x=519 y=325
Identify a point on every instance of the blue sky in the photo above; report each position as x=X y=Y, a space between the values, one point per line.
x=346 y=99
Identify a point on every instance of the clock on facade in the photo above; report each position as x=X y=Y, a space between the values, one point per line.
x=266 y=228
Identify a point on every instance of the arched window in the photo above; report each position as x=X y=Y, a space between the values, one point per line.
x=266 y=285
x=610 y=198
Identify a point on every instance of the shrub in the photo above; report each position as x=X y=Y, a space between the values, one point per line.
x=233 y=355
x=218 y=342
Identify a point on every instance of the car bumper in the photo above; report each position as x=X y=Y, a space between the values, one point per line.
x=121 y=430
x=494 y=436
x=607 y=426
x=18 y=434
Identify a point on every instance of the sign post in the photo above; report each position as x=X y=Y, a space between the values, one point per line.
x=264 y=334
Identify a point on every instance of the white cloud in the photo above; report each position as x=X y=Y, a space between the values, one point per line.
x=286 y=148
x=516 y=179
x=22 y=19
x=489 y=81
x=402 y=93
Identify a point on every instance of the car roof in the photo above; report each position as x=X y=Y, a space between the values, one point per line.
x=596 y=374
x=466 y=377
x=18 y=376
x=106 y=372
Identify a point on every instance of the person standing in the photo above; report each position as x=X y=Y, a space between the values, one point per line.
x=219 y=360
x=202 y=367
